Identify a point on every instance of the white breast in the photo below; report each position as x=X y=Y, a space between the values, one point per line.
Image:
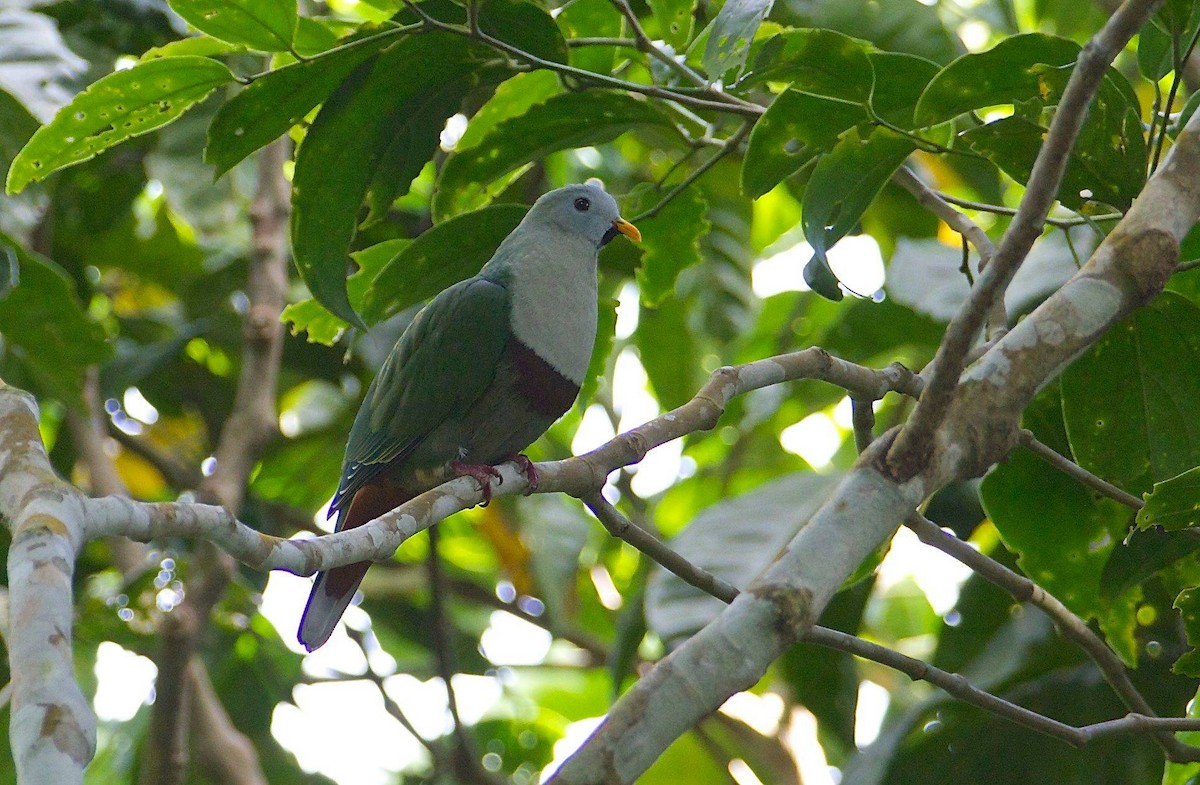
x=554 y=304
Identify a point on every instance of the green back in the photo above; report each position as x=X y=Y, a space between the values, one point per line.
x=443 y=362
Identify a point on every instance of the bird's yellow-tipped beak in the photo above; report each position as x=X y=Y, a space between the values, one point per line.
x=627 y=229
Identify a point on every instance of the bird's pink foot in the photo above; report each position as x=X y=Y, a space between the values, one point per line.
x=482 y=473
x=529 y=469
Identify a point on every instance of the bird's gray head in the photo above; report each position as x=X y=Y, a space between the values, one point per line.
x=586 y=210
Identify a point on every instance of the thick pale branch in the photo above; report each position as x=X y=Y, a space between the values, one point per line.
x=914 y=445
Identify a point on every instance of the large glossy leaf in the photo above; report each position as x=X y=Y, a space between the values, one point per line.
x=376 y=118
x=525 y=25
x=562 y=122
x=273 y=103
x=1107 y=165
x=671 y=241
x=45 y=326
x=1062 y=534
x=1015 y=70
x=265 y=25
x=795 y=129
x=845 y=182
x=731 y=33
x=120 y=106
x=443 y=255
x=892 y=25
x=899 y=81
x=821 y=62
x=1129 y=403
x=733 y=539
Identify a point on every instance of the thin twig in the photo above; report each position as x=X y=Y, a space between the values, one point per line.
x=728 y=146
x=1071 y=626
x=646 y=45
x=1077 y=472
x=717 y=101
x=998 y=209
x=912 y=447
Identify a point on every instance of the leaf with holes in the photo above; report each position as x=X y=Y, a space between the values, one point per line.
x=441 y=256
x=265 y=25
x=1017 y=69
x=674 y=21
x=731 y=34
x=562 y=122
x=796 y=128
x=846 y=181
x=273 y=103
x=1173 y=504
x=120 y=106
x=380 y=108
x=1138 y=425
x=817 y=61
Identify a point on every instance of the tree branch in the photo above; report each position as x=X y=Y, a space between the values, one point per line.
x=1071 y=626
x=914 y=445
x=1077 y=472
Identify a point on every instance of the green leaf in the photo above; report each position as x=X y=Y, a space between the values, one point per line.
x=1015 y=70
x=731 y=34
x=667 y=347
x=562 y=122
x=1173 y=504
x=265 y=25
x=821 y=279
x=674 y=21
x=273 y=103
x=820 y=62
x=374 y=119
x=672 y=242
x=45 y=326
x=1154 y=56
x=1130 y=402
x=512 y=98
x=1062 y=534
x=892 y=25
x=591 y=19
x=733 y=539
x=195 y=46
x=320 y=325
x=524 y=25
x=1013 y=144
x=441 y=256
x=118 y=107
x=846 y=181
x=899 y=81
x=796 y=128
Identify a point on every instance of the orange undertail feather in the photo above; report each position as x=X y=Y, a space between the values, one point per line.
x=334 y=589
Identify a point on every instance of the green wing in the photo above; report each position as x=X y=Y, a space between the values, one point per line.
x=443 y=362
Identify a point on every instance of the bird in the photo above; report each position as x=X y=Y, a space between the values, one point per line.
x=478 y=375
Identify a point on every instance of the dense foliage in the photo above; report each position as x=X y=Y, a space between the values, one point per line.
x=129 y=131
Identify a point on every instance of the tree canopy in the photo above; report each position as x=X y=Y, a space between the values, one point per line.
x=904 y=265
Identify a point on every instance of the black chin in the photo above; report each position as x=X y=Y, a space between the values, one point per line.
x=608 y=236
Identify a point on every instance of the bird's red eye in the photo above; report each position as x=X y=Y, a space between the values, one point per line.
x=582 y=204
